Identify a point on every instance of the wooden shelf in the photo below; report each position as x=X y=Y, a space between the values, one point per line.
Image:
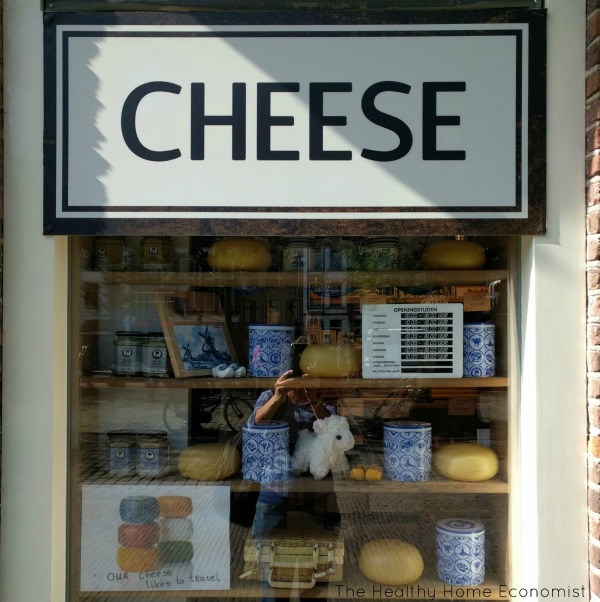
x=297 y=279
x=345 y=486
x=352 y=585
x=108 y=382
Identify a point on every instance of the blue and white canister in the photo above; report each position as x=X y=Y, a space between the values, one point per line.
x=407 y=450
x=479 y=349
x=265 y=452
x=269 y=349
x=460 y=551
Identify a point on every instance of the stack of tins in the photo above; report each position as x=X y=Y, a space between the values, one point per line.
x=156 y=532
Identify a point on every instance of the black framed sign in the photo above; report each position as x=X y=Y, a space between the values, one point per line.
x=283 y=122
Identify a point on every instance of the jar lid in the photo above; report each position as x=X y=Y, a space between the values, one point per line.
x=270 y=326
x=152 y=434
x=117 y=433
x=268 y=425
x=460 y=526
x=382 y=240
x=300 y=241
x=411 y=425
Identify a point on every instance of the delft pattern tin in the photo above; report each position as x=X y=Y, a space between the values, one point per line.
x=269 y=349
x=460 y=551
x=407 y=450
x=265 y=452
x=479 y=349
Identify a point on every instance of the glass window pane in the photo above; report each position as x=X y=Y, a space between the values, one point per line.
x=381 y=459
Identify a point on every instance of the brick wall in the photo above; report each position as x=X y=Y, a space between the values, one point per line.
x=593 y=285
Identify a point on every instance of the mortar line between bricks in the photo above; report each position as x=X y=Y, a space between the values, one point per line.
x=595 y=403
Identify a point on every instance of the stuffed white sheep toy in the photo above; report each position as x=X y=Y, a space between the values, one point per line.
x=323 y=450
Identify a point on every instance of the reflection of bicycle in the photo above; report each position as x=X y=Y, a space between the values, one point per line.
x=234 y=411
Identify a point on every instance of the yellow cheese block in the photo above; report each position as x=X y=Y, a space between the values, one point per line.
x=453 y=255
x=391 y=562
x=209 y=461
x=466 y=462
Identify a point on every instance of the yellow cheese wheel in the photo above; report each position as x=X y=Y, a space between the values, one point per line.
x=453 y=255
x=175 y=506
x=209 y=461
x=466 y=462
x=137 y=560
x=391 y=562
x=239 y=254
x=331 y=361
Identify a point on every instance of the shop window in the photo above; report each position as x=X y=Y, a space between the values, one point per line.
x=410 y=341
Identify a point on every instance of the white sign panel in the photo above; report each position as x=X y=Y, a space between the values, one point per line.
x=414 y=341
x=154 y=538
x=302 y=122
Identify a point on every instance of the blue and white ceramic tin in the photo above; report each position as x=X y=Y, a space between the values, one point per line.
x=479 y=349
x=407 y=450
x=265 y=452
x=269 y=349
x=460 y=551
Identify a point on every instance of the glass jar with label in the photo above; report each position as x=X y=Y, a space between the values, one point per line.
x=152 y=454
x=127 y=353
x=157 y=253
x=155 y=357
x=382 y=253
x=109 y=253
x=120 y=453
x=298 y=254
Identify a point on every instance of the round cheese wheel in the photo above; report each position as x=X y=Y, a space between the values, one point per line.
x=175 y=529
x=175 y=551
x=137 y=560
x=209 y=461
x=138 y=509
x=331 y=361
x=138 y=536
x=466 y=462
x=453 y=255
x=175 y=506
x=391 y=562
x=239 y=254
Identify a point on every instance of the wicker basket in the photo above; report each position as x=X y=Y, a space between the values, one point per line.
x=294 y=559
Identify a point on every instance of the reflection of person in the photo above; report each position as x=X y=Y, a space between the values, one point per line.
x=299 y=408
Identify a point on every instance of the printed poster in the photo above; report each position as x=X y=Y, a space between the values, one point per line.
x=154 y=538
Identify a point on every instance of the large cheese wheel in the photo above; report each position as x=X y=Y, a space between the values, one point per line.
x=466 y=462
x=331 y=361
x=209 y=461
x=391 y=562
x=239 y=254
x=453 y=255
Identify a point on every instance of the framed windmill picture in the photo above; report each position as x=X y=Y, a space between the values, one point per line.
x=196 y=342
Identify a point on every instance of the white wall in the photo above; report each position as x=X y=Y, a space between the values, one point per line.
x=34 y=393
x=552 y=417
x=552 y=538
